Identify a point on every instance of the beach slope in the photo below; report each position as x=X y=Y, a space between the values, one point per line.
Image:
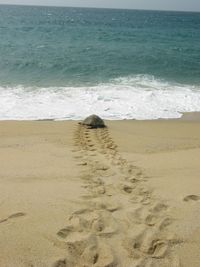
x=127 y=195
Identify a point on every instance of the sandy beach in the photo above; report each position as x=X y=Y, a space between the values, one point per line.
x=127 y=195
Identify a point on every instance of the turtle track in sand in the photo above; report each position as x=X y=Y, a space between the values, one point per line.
x=120 y=222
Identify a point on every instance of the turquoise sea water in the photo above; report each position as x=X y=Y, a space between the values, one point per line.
x=66 y=62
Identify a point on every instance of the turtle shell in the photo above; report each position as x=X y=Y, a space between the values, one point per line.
x=94 y=121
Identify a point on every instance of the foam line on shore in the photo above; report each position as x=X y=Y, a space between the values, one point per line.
x=137 y=97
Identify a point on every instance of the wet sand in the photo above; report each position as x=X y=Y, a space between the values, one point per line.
x=127 y=195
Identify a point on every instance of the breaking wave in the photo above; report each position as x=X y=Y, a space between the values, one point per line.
x=140 y=97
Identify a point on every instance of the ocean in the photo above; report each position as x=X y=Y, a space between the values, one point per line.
x=66 y=63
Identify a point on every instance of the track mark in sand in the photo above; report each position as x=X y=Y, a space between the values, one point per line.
x=191 y=198
x=13 y=216
x=117 y=209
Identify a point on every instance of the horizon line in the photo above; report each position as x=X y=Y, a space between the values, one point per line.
x=91 y=7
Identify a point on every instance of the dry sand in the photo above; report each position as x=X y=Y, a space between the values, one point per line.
x=126 y=196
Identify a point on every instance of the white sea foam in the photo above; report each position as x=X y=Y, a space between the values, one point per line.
x=138 y=97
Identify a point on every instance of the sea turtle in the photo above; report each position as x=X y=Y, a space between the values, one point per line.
x=93 y=121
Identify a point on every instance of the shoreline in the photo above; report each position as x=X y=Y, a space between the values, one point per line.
x=187 y=116
x=137 y=181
